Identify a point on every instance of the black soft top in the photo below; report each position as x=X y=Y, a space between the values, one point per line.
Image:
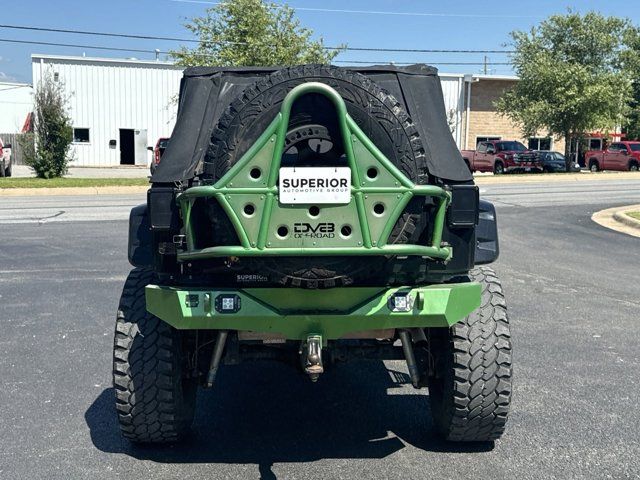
x=206 y=92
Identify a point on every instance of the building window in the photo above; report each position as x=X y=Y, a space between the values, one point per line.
x=595 y=144
x=537 y=143
x=80 y=135
x=486 y=139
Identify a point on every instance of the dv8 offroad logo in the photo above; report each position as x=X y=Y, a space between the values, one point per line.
x=320 y=230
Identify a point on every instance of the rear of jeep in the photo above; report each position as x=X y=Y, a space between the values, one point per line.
x=308 y=216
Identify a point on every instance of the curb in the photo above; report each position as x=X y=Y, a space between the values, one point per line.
x=622 y=217
x=554 y=178
x=615 y=219
x=72 y=191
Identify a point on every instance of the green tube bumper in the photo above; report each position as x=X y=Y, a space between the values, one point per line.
x=297 y=313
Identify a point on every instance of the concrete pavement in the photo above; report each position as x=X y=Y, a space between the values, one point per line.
x=571 y=289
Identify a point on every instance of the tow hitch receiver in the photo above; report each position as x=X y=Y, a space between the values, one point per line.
x=311 y=356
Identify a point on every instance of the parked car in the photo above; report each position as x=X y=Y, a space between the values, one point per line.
x=158 y=151
x=554 y=162
x=501 y=156
x=618 y=156
x=5 y=159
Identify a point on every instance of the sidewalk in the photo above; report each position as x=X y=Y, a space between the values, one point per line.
x=22 y=171
x=585 y=175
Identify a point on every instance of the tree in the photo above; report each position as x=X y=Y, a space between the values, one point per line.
x=251 y=32
x=631 y=62
x=572 y=78
x=46 y=149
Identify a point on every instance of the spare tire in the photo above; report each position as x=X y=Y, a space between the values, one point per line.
x=313 y=117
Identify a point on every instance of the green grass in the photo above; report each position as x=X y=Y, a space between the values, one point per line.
x=70 y=182
x=635 y=215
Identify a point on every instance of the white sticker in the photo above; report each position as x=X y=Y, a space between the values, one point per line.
x=315 y=185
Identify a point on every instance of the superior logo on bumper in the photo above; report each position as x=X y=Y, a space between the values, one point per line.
x=315 y=185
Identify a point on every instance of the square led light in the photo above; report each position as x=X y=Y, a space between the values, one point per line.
x=400 y=302
x=227 y=303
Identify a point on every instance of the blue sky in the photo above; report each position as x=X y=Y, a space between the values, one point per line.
x=461 y=24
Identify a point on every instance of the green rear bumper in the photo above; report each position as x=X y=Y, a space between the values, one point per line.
x=297 y=313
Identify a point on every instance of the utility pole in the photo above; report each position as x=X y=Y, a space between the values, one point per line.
x=485 y=64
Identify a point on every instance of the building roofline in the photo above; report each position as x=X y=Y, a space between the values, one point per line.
x=15 y=84
x=506 y=78
x=75 y=58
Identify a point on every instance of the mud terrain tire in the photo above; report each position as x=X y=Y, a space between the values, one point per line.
x=155 y=404
x=471 y=391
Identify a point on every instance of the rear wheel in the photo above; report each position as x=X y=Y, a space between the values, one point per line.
x=593 y=166
x=7 y=171
x=154 y=401
x=470 y=387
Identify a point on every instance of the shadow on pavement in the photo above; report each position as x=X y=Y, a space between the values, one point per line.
x=266 y=413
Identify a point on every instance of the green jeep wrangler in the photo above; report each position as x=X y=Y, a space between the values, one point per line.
x=312 y=215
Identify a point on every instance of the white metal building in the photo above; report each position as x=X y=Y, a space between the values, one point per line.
x=16 y=101
x=118 y=107
x=453 y=85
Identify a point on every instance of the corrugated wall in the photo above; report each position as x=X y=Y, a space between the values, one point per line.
x=16 y=101
x=453 y=93
x=106 y=96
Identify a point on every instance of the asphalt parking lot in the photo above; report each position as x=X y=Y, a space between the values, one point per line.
x=572 y=288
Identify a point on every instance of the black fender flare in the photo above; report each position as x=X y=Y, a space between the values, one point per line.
x=140 y=247
x=487 y=244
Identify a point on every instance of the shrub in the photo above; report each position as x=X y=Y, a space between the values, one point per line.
x=46 y=150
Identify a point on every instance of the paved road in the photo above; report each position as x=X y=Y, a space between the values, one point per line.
x=116 y=207
x=572 y=289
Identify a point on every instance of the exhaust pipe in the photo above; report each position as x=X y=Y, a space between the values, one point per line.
x=407 y=348
x=216 y=356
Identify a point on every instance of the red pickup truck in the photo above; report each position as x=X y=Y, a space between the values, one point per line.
x=500 y=156
x=618 y=156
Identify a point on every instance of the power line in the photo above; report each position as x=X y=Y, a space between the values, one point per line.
x=98 y=47
x=101 y=34
x=372 y=12
x=191 y=40
x=89 y=47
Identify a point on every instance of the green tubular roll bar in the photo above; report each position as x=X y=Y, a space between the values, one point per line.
x=253 y=181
